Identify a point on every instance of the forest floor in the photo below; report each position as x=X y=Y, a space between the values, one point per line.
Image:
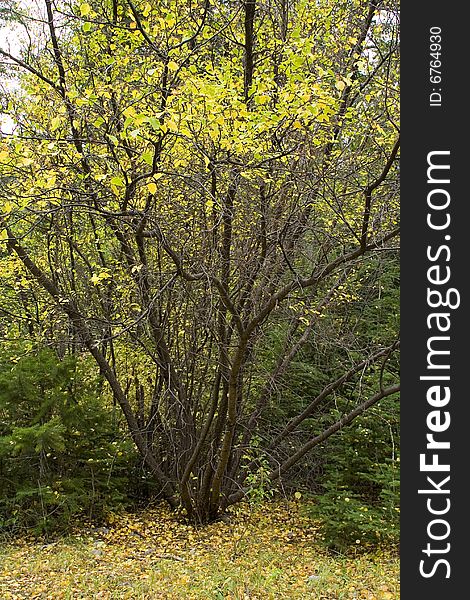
x=270 y=552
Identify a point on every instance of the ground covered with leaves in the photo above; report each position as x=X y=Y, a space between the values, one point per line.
x=268 y=552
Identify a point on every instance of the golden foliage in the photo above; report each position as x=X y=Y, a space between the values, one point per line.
x=270 y=552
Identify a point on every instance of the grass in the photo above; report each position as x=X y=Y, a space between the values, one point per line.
x=269 y=552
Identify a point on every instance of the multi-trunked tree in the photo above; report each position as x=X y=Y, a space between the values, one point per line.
x=184 y=176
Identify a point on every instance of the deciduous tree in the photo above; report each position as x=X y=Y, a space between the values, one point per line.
x=183 y=176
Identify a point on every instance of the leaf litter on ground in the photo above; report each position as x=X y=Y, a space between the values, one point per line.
x=271 y=551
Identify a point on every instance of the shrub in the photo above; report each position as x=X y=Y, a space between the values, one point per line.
x=61 y=452
x=359 y=503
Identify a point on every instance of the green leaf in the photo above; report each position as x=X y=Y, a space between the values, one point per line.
x=154 y=123
x=148 y=158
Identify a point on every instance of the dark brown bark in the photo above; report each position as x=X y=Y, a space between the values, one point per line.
x=250 y=8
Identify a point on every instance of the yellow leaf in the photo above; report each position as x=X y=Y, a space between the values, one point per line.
x=152 y=187
x=262 y=99
x=98 y=278
x=85 y=9
x=129 y=111
x=172 y=65
x=7 y=207
x=55 y=123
